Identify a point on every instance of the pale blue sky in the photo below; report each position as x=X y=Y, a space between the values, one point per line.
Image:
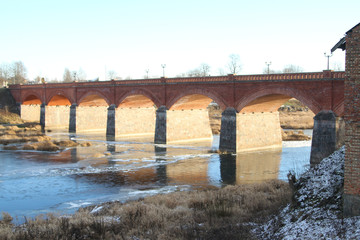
x=133 y=35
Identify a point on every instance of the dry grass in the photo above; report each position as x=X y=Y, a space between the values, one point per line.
x=205 y=214
x=8 y=117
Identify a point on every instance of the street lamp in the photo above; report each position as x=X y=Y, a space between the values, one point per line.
x=163 y=66
x=328 y=59
x=268 y=67
x=147 y=73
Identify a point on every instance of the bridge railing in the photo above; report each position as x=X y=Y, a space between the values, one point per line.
x=259 y=77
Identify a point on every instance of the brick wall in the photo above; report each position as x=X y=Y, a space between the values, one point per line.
x=352 y=120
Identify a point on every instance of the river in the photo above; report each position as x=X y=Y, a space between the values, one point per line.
x=33 y=183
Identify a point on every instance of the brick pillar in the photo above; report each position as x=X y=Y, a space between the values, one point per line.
x=72 y=118
x=110 y=126
x=160 y=125
x=352 y=124
x=324 y=136
x=42 y=116
x=228 y=131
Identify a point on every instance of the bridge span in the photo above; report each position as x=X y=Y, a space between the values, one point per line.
x=175 y=109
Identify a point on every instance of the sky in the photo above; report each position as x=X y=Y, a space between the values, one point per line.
x=131 y=36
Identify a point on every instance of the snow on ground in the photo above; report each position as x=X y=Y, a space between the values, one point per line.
x=316 y=210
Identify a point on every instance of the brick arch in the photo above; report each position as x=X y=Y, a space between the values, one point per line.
x=139 y=91
x=98 y=93
x=59 y=92
x=31 y=93
x=294 y=93
x=210 y=94
x=339 y=108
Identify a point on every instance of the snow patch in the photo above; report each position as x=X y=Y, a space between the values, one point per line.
x=316 y=210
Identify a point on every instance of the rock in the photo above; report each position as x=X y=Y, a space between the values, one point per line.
x=85 y=144
x=42 y=146
x=10 y=148
x=66 y=143
x=294 y=136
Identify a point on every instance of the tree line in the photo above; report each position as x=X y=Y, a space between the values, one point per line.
x=12 y=73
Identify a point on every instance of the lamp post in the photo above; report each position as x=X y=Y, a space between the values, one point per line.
x=268 y=67
x=163 y=66
x=147 y=73
x=328 y=59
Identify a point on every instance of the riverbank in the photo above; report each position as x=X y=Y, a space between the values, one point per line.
x=309 y=208
x=204 y=214
x=15 y=134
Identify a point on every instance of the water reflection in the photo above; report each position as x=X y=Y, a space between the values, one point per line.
x=112 y=169
x=160 y=153
x=228 y=168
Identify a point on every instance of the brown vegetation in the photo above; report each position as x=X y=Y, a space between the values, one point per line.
x=225 y=213
x=30 y=137
x=8 y=117
x=294 y=136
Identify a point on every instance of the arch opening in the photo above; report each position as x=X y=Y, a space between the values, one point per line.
x=59 y=100
x=188 y=119
x=136 y=101
x=92 y=114
x=93 y=100
x=135 y=115
x=32 y=100
x=268 y=103
x=193 y=101
x=268 y=120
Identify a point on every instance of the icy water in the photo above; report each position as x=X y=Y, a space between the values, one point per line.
x=33 y=183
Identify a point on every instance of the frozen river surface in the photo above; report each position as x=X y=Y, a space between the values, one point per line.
x=33 y=183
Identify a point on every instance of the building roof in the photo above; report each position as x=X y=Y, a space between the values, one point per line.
x=342 y=43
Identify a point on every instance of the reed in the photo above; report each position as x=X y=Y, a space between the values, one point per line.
x=225 y=213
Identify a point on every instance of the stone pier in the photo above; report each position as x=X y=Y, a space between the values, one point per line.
x=72 y=118
x=228 y=131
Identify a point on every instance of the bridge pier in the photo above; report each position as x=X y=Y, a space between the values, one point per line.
x=228 y=131
x=325 y=136
x=160 y=125
x=72 y=118
x=110 y=123
x=42 y=116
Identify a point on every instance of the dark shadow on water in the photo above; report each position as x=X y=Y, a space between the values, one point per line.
x=228 y=168
x=161 y=168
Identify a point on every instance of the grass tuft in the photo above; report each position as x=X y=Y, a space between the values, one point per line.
x=223 y=213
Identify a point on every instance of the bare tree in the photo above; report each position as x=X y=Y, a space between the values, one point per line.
x=204 y=69
x=67 y=76
x=337 y=66
x=18 y=72
x=292 y=69
x=234 y=65
x=111 y=74
x=81 y=75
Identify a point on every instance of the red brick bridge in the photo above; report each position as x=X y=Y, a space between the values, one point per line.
x=174 y=109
